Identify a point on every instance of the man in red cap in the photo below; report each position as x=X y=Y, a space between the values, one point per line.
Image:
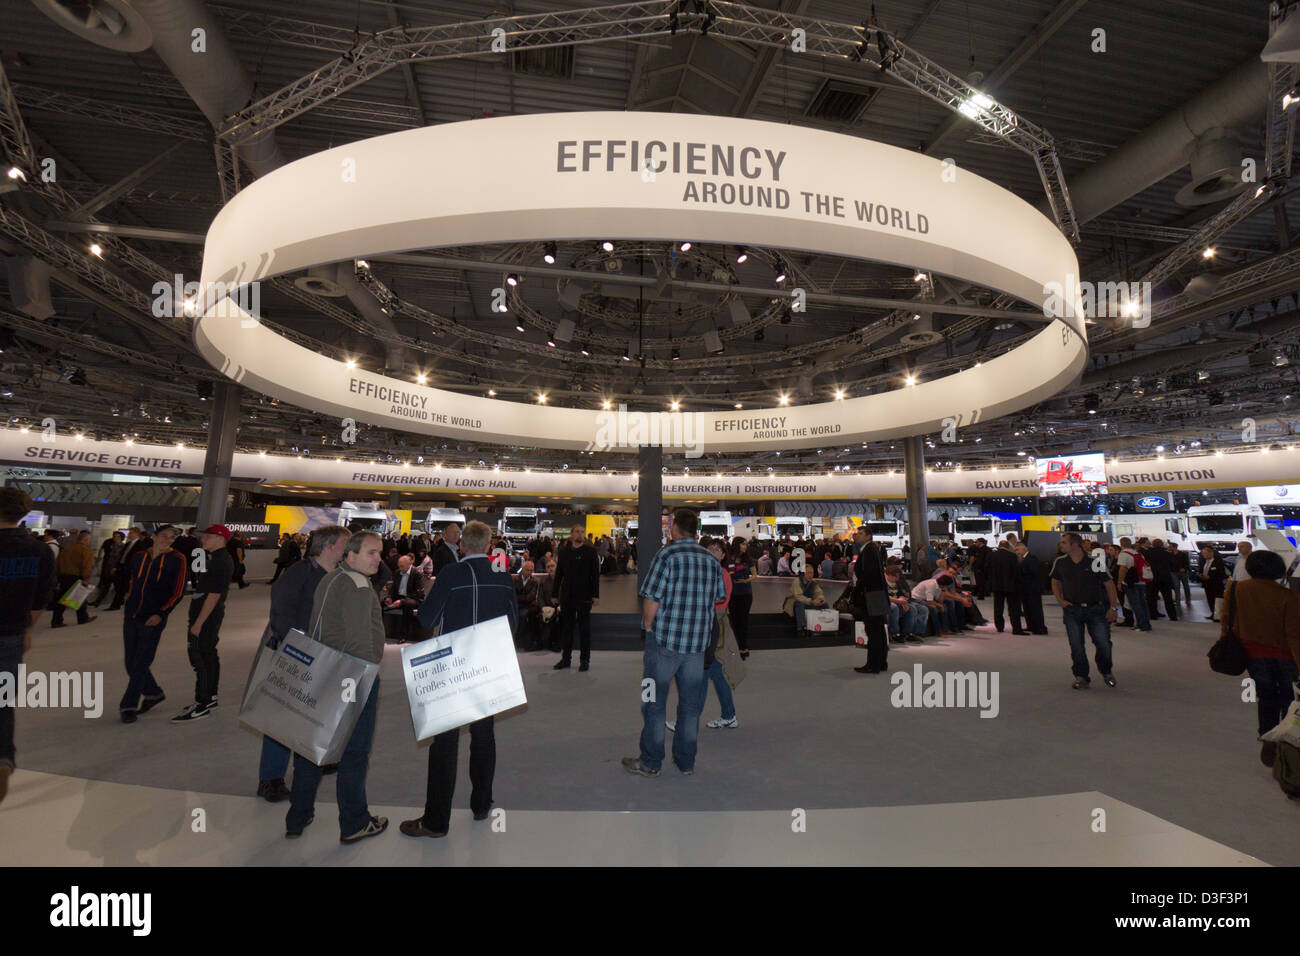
x=214 y=569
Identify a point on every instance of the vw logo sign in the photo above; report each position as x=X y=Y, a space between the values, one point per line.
x=1151 y=501
x=1281 y=491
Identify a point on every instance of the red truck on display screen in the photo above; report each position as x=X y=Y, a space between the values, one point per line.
x=1059 y=472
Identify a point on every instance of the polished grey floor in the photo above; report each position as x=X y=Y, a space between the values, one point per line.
x=1170 y=754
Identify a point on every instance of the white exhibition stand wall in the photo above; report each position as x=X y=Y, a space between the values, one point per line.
x=1184 y=472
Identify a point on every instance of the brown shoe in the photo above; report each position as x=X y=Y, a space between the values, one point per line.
x=93 y=617
x=416 y=828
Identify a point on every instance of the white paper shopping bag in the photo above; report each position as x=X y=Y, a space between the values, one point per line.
x=819 y=620
x=76 y=595
x=1288 y=730
x=462 y=676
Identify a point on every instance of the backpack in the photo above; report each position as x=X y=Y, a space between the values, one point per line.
x=1140 y=571
x=1286 y=769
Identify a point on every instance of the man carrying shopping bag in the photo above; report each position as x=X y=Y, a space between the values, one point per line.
x=463 y=594
x=346 y=617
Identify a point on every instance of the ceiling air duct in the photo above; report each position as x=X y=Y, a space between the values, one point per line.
x=1215 y=159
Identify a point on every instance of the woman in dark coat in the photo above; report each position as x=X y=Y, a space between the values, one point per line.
x=870 y=604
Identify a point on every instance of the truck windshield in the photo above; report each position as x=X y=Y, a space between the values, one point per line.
x=974 y=525
x=880 y=527
x=792 y=528
x=715 y=529
x=367 y=524
x=1082 y=527
x=521 y=524
x=1216 y=524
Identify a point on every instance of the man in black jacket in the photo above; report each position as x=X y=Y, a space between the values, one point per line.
x=1029 y=587
x=186 y=545
x=1002 y=579
x=870 y=602
x=446 y=551
x=26 y=584
x=289 y=554
x=493 y=594
x=1162 y=570
x=136 y=541
x=577 y=584
x=400 y=602
x=157 y=583
x=291 y=603
x=981 y=557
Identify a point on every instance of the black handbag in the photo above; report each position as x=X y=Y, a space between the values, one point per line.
x=1228 y=655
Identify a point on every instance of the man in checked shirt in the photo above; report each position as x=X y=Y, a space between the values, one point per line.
x=682 y=585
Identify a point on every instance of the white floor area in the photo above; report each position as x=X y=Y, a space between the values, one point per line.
x=52 y=820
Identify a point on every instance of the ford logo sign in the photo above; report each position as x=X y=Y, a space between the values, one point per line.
x=1151 y=501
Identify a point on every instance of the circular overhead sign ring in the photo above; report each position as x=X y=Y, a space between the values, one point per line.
x=652 y=176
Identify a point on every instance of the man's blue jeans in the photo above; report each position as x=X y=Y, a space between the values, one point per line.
x=1093 y=617
x=920 y=617
x=1137 y=602
x=1272 y=677
x=354 y=812
x=954 y=614
x=1183 y=579
x=11 y=655
x=275 y=760
x=725 y=697
x=900 y=622
x=661 y=665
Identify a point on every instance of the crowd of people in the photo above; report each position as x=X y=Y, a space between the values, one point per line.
x=356 y=590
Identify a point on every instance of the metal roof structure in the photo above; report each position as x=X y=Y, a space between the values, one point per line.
x=1118 y=88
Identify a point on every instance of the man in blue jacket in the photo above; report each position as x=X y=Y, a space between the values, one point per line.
x=292 y=594
x=464 y=593
x=157 y=583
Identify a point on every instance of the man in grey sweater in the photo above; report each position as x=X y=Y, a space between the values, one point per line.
x=346 y=616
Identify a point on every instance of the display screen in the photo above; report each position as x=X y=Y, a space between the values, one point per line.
x=1072 y=475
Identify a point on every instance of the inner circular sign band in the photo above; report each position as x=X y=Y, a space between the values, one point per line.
x=651 y=176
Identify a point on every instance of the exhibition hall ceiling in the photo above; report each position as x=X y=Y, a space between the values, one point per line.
x=132 y=137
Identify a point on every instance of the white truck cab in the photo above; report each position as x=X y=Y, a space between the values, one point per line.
x=630 y=529
x=520 y=525
x=715 y=524
x=965 y=531
x=438 y=518
x=797 y=528
x=1223 y=527
x=1088 y=526
x=367 y=516
x=890 y=533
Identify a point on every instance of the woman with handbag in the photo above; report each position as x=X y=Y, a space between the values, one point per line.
x=1265 y=617
x=871 y=604
x=742 y=596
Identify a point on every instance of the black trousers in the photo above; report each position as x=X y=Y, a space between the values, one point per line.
x=66 y=581
x=1011 y=601
x=530 y=625
x=738 y=611
x=121 y=581
x=203 y=651
x=1032 y=604
x=443 y=755
x=981 y=584
x=877 y=639
x=572 y=614
x=1165 y=589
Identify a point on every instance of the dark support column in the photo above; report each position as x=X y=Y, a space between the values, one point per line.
x=394 y=500
x=918 y=524
x=649 y=508
x=222 y=427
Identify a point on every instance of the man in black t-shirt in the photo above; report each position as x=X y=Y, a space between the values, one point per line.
x=1084 y=589
x=214 y=575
